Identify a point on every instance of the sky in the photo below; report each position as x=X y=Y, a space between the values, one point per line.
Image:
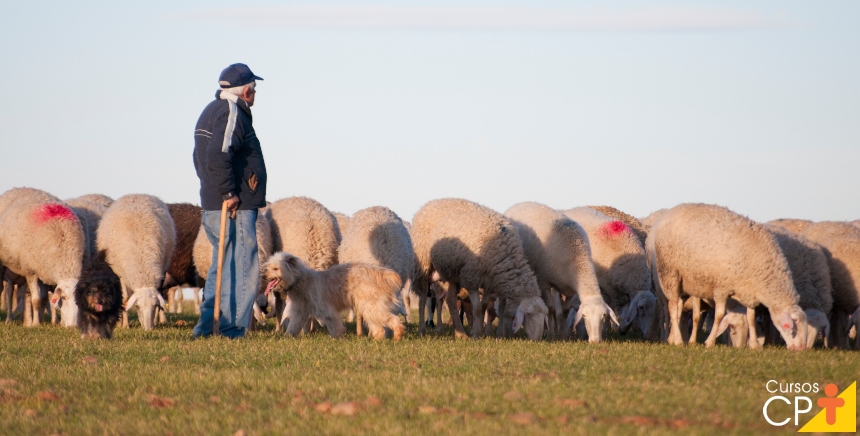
x=639 y=105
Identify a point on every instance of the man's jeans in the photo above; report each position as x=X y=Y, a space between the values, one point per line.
x=240 y=274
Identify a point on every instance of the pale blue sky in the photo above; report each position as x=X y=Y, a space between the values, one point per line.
x=639 y=105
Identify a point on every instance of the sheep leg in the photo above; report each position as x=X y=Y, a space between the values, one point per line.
x=359 y=324
x=676 y=307
x=477 y=314
x=423 y=289
x=171 y=300
x=551 y=321
x=406 y=299
x=753 y=336
x=35 y=300
x=502 y=329
x=437 y=308
x=8 y=289
x=125 y=295
x=697 y=313
x=451 y=299
x=719 y=313
x=486 y=306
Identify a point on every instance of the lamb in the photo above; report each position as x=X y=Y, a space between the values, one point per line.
x=473 y=247
x=557 y=250
x=621 y=267
x=306 y=229
x=811 y=275
x=186 y=220
x=713 y=253
x=370 y=290
x=632 y=222
x=841 y=242
x=376 y=236
x=791 y=224
x=42 y=239
x=138 y=237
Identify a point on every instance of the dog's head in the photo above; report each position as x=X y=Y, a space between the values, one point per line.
x=282 y=271
x=98 y=292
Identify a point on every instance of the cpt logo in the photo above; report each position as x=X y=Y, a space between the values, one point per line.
x=838 y=413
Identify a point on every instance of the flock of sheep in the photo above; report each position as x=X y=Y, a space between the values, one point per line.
x=556 y=274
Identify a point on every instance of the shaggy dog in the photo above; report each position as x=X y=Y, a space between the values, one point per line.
x=370 y=291
x=99 y=298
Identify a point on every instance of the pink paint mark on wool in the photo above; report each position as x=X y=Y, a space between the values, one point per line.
x=53 y=210
x=614 y=228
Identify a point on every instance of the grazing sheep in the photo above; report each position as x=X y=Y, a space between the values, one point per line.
x=791 y=224
x=557 y=250
x=186 y=221
x=621 y=267
x=811 y=275
x=473 y=247
x=342 y=222
x=304 y=228
x=713 y=253
x=321 y=295
x=841 y=242
x=99 y=299
x=42 y=239
x=138 y=238
x=376 y=236
x=631 y=221
x=649 y=220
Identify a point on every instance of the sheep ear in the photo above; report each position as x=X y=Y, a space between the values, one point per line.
x=611 y=314
x=161 y=301
x=518 y=319
x=724 y=324
x=788 y=322
x=131 y=301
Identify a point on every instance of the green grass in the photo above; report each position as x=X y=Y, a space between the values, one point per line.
x=163 y=382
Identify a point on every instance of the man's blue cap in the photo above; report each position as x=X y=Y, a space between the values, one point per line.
x=237 y=75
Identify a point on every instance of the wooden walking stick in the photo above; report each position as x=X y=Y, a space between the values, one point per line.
x=219 y=271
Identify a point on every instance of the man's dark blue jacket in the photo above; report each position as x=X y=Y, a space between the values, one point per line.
x=227 y=155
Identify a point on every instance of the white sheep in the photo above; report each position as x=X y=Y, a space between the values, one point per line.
x=635 y=225
x=376 y=236
x=811 y=275
x=711 y=252
x=473 y=247
x=306 y=229
x=342 y=222
x=42 y=239
x=841 y=242
x=557 y=250
x=621 y=267
x=138 y=237
x=649 y=220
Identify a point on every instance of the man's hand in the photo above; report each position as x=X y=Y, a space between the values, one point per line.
x=232 y=203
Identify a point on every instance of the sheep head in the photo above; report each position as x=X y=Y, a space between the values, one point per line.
x=735 y=321
x=792 y=325
x=593 y=312
x=641 y=310
x=531 y=314
x=64 y=297
x=146 y=299
x=817 y=323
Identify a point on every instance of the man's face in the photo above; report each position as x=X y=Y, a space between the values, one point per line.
x=248 y=95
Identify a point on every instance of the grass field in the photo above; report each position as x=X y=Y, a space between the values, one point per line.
x=163 y=382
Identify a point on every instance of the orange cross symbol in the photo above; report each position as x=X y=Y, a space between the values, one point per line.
x=830 y=404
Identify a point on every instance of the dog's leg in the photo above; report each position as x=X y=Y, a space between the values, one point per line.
x=297 y=314
x=334 y=324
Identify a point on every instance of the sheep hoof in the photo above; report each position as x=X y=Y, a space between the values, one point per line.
x=460 y=335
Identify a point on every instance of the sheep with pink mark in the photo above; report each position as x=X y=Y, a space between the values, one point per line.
x=138 y=237
x=557 y=250
x=710 y=252
x=42 y=239
x=622 y=269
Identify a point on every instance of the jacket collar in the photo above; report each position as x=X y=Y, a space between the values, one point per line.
x=234 y=98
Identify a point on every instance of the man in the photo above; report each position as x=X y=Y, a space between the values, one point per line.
x=229 y=163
